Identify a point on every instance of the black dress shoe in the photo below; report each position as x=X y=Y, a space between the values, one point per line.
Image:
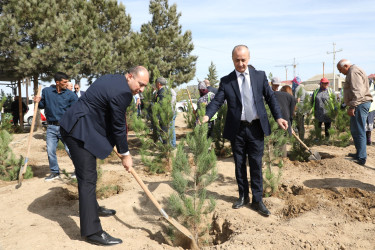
x=103 y=239
x=362 y=163
x=242 y=201
x=103 y=212
x=260 y=208
x=353 y=155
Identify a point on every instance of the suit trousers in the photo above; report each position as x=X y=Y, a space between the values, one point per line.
x=85 y=169
x=249 y=142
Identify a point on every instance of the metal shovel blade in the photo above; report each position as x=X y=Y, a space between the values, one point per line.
x=315 y=156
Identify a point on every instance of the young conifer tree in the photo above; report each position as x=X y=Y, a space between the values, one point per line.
x=194 y=169
x=340 y=127
x=298 y=152
x=221 y=149
x=273 y=152
x=154 y=130
x=9 y=164
x=190 y=116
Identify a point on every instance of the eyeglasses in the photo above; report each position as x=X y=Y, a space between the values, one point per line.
x=76 y=88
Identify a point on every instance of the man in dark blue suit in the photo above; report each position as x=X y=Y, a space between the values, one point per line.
x=245 y=90
x=91 y=128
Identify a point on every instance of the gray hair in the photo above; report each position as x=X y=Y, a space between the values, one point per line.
x=238 y=47
x=161 y=80
x=344 y=62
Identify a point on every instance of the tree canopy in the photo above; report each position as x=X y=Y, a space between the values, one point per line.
x=167 y=48
x=89 y=38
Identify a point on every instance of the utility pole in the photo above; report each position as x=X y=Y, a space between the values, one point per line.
x=286 y=70
x=323 y=69
x=294 y=67
x=294 y=64
x=334 y=66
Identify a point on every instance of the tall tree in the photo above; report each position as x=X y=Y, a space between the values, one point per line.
x=212 y=75
x=116 y=48
x=82 y=38
x=167 y=48
x=34 y=35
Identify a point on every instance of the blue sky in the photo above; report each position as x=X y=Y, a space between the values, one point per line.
x=276 y=32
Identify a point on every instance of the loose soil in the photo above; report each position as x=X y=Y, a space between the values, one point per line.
x=327 y=204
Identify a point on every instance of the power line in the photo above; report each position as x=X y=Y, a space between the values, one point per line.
x=334 y=58
x=294 y=64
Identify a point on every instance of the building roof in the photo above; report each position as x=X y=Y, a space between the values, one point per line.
x=315 y=80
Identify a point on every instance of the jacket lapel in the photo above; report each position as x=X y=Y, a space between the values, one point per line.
x=253 y=81
x=234 y=83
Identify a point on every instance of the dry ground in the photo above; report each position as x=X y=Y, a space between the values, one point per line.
x=328 y=204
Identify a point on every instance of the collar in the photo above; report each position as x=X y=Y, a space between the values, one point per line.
x=246 y=72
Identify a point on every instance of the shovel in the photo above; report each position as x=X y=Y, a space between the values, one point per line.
x=191 y=102
x=188 y=239
x=23 y=168
x=315 y=155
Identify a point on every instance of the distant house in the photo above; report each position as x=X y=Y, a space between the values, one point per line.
x=313 y=83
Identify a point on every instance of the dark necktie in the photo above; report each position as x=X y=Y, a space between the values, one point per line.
x=246 y=99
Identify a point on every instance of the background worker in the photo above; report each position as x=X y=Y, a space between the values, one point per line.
x=319 y=101
x=55 y=101
x=357 y=98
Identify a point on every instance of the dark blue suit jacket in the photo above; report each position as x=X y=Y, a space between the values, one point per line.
x=98 y=117
x=230 y=91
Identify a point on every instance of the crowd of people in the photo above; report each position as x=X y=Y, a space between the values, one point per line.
x=91 y=123
x=357 y=96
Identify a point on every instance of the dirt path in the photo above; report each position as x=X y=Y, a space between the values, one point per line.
x=321 y=205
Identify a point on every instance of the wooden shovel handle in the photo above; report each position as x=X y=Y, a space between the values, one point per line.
x=146 y=190
x=191 y=102
x=24 y=167
x=303 y=144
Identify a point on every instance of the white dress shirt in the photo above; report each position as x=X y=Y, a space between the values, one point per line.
x=253 y=111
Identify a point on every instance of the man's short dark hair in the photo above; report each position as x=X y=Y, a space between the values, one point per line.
x=135 y=70
x=60 y=75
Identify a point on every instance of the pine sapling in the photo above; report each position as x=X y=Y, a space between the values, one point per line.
x=194 y=169
x=9 y=164
x=222 y=148
x=274 y=147
x=154 y=131
x=340 y=127
x=190 y=118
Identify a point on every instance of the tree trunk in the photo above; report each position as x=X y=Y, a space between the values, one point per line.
x=38 y=124
x=20 y=106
